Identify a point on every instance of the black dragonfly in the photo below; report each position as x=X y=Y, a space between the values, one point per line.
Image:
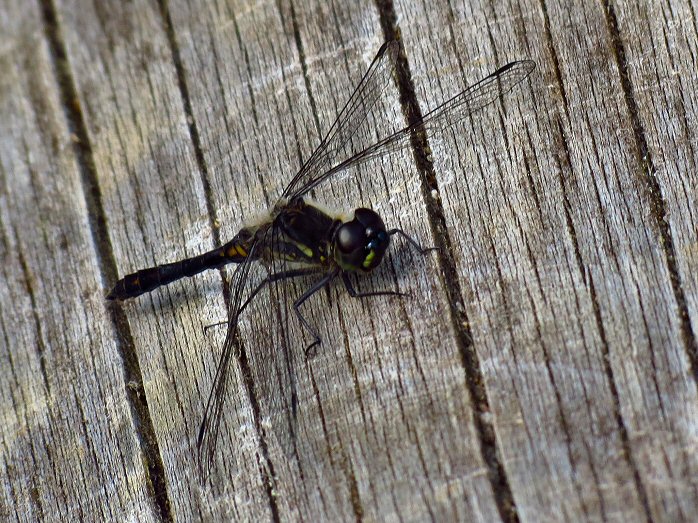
x=299 y=238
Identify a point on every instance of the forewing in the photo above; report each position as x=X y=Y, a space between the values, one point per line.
x=456 y=109
x=346 y=127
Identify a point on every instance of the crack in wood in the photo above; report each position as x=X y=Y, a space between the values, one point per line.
x=142 y=421
x=266 y=469
x=503 y=496
x=653 y=191
x=606 y=359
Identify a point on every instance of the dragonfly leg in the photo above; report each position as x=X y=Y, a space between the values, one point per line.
x=325 y=280
x=212 y=325
x=352 y=292
x=413 y=242
x=279 y=276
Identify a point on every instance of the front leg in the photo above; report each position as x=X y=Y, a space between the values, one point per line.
x=413 y=242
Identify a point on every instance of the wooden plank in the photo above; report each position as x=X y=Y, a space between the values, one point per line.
x=527 y=314
x=658 y=44
x=382 y=363
x=155 y=207
x=661 y=91
x=647 y=348
x=543 y=368
x=69 y=445
x=572 y=311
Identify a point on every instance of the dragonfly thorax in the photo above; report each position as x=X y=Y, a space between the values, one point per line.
x=360 y=244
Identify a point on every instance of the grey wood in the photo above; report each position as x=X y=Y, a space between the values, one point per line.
x=576 y=320
x=541 y=368
x=152 y=193
x=69 y=445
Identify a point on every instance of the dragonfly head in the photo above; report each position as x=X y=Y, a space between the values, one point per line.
x=360 y=244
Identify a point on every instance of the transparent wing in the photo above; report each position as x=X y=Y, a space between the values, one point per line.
x=275 y=370
x=243 y=290
x=344 y=146
x=259 y=293
x=450 y=112
x=350 y=118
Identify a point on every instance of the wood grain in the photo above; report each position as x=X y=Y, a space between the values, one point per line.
x=579 y=297
x=543 y=365
x=70 y=444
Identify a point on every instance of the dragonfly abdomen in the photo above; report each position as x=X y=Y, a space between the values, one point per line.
x=146 y=280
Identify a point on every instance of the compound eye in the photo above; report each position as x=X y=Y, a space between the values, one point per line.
x=369 y=219
x=378 y=242
x=351 y=237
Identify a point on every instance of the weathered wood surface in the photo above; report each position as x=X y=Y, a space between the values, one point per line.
x=543 y=367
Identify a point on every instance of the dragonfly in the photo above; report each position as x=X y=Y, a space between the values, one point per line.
x=299 y=238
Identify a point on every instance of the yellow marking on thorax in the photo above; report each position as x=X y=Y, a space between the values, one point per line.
x=304 y=249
